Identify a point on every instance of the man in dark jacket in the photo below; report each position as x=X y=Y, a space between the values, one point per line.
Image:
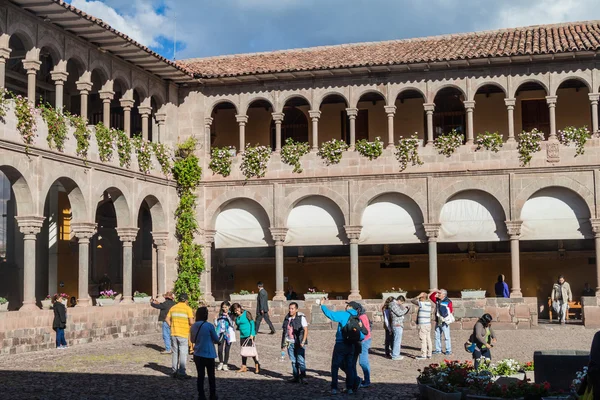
x=164 y=308
x=262 y=308
x=293 y=339
x=593 y=377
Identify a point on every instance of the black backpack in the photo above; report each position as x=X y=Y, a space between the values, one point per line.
x=351 y=331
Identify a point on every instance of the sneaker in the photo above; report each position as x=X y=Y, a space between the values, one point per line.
x=350 y=391
x=448 y=353
x=166 y=352
x=420 y=358
x=272 y=333
x=398 y=358
x=364 y=385
x=334 y=392
x=225 y=367
x=435 y=353
x=220 y=367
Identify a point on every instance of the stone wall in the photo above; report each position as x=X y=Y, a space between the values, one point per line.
x=590 y=312
x=32 y=331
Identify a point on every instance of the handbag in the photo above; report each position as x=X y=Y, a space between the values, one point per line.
x=248 y=349
x=470 y=347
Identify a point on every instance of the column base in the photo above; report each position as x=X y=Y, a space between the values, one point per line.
x=279 y=296
x=598 y=292
x=390 y=146
x=29 y=307
x=429 y=144
x=516 y=294
x=354 y=296
x=127 y=300
x=469 y=142
x=84 y=302
x=209 y=298
x=511 y=140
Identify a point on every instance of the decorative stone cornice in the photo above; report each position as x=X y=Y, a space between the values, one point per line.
x=469 y=105
x=432 y=230
x=429 y=107
x=390 y=110
x=31 y=66
x=279 y=234
x=510 y=102
x=127 y=235
x=84 y=87
x=278 y=117
x=551 y=100
x=145 y=110
x=83 y=230
x=314 y=114
x=241 y=119
x=30 y=225
x=127 y=103
x=514 y=228
x=106 y=94
x=59 y=76
x=352 y=112
x=160 y=238
x=353 y=232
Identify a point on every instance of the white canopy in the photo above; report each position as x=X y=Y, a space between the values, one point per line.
x=315 y=221
x=242 y=223
x=555 y=213
x=392 y=218
x=472 y=216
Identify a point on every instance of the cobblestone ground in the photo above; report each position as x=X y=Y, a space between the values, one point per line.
x=133 y=368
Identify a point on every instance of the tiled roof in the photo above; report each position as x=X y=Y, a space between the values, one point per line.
x=541 y=39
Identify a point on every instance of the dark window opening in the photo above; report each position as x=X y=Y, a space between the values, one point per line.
x=361 y=126
x=535 y=115
x=294 y=125
x=449 y=113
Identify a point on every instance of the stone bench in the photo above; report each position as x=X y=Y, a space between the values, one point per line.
x=558 y=367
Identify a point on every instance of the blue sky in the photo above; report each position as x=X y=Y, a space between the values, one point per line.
x=205 y=28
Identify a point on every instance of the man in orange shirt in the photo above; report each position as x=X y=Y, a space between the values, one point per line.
x=180 y=318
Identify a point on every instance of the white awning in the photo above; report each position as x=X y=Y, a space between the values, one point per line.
x=555 y=213
x=315 y=221
x=472 y=216
x=242 y=223
x=392 y=218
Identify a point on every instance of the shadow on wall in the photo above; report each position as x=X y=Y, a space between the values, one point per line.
x=16 y=385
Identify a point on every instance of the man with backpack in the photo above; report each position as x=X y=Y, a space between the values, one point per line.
x=444 y=317
x=350 y=332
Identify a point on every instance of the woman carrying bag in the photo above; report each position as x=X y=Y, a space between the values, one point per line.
x=245 y=324
x=481 y=340
x=226 y=334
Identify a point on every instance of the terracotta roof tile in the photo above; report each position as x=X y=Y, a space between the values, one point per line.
x=541 y=39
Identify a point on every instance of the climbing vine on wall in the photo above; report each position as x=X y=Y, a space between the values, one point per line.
x=26 y=124
x=57 y=126
x=187 y=174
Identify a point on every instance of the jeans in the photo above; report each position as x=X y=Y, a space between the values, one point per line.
x=397 y=341
x=223 y=351
x=180 y=349
x=206 y=365
x=425 y=336
x=364 y=361
x=343 y=355
x=297 y=356
x=389 y=342
x=60 y=337
x=445 y=329
x=561 y=307
x=480 y=353
x=166 y=331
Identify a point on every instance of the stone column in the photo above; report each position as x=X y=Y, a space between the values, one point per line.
x=469 y=108
x=242 y=120
x=32 y=67
x=106 y=96
x=4 y=55
x=510 y=107
x=353 y=233
x=145 y=112
x=432 y=231
x=314 y=116
x=207 y=145
x=279 y=238
x=59 y=78
x=352 y=114
x=209 y=239
x=161 y=119
x=514 y=233
x=84 y=89
x=83 y=232
x=29 y=227
x=551 y=100
x=594 y=102
x=160 y=241
x=390 y=111
x=127 y=236
x=429 y=107
x=596 y=229
x=127 y=104
x=278 y=118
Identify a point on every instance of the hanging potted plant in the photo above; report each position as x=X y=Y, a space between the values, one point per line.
x=447 y=144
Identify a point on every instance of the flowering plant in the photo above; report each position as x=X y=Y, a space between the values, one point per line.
x=314 y=290
x=123 y=148
x=407 y=151
x=82 y=134
x=104 y=138
x=4 y=96
x=143 y=149
x=489 y=141
x=448 y=143
x=395 y=290
x=139 y=294
x=3 y=300
x=331 y=151
x=529 y=143
x=220 y=160
x=580 y=377
x=292 y=151
x=57 y=126
x=255 y=160
x=575 y=135
x=163 y=155
x=518 y=390
x=26 y=123
x=371 y=150
x=242 y=293
x=506 y=367
x=527 y=367
x=107 y=294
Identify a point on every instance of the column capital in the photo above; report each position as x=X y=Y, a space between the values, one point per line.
x=160 y=118
x=208 y=122
x=241 y=119
x=429 y=107
x=469 y=105
x=145 y=111
x=352 y=112
x=83 y=230
x=106 y=94
x=432 y=230
x=390 y=110
x=209 y=236
x=160 y=238
x=510 y=102
x=551 y=100
x=32 y=66
x=59 y=76
x=30 y=225
x=514 y=228
x=84 y=86
x=595 y=226
x=314 y=114
x=278 y=234
x=278 y=117
x=594 y=97
x=126 y=103
x=353 y=232
x=4 y=53
x=127 y=235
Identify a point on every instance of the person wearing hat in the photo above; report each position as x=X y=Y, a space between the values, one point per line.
x=180 y=318
x=482 y=338
x=164 y=308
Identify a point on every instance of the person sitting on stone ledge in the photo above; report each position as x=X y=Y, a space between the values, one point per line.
x=501 y=288
x=588 y=291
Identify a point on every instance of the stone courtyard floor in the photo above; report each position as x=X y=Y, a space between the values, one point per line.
x=132 y=368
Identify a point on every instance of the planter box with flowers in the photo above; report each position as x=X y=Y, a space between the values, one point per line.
x=393 y=292
x=472 y=294
x=3 y=304
x=106 y=298
x=243 y=295
x=141 y=297
x=507 y=371
x=314 y=294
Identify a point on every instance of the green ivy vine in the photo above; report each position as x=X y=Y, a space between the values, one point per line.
x=57 y=126
x=187 y=174
x=291 y=152
x=104 y=138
